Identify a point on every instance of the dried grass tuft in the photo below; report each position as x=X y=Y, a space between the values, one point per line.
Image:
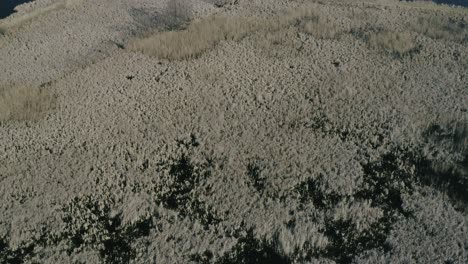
x=399 y=43
x=24 y=103
x=310 y=21
x=447 y=28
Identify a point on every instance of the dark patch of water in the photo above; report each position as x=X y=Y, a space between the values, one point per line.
x=7 y=7
x=463 y=3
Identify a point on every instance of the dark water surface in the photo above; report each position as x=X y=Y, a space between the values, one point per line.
x=453 y=2
x=7 y=6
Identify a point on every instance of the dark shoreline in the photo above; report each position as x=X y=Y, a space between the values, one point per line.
x=462 y=3
x=7 y=7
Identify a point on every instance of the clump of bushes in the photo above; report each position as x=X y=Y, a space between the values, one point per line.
x=24 y=103
x=397 y=43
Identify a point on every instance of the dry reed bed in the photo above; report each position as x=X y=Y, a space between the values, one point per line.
x=188 y=42
x=204 y=34
x=25 y=103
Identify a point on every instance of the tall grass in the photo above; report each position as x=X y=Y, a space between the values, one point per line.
x=180 y=42
x=198 y=37
x=442 y=27
x=398 y=43
x=184 y=40
x=309 y=20
x=23 y=103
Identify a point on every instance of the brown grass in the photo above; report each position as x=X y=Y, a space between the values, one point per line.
x=320 y=28
x=442 y=27
x=24 y=103
x=198 y=37
x=206 y=33
x=310 y=21
x=399 y=43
